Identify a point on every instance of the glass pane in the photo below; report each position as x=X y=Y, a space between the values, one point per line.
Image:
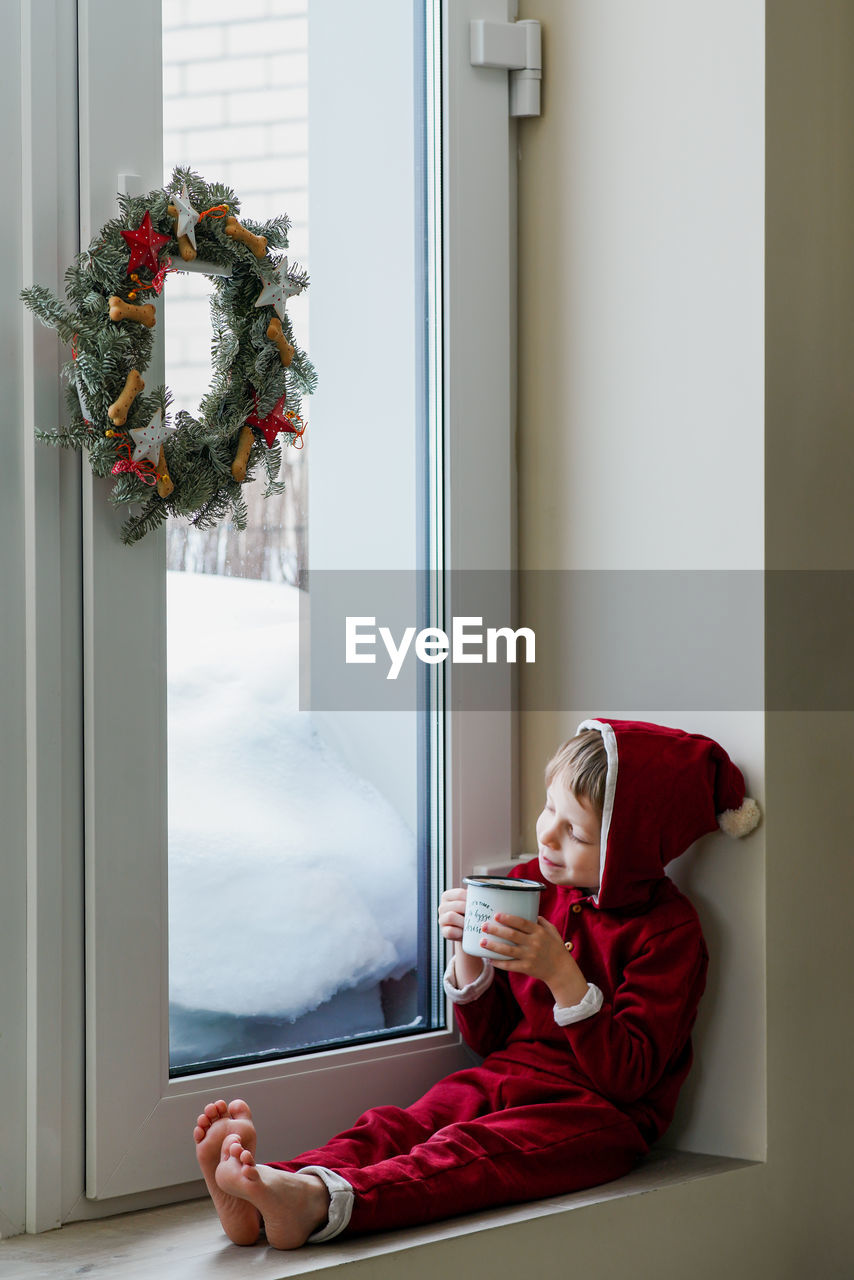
x=303 y=848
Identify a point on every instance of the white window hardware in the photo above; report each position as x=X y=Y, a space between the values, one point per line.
x=516 y=47
x=130 y=184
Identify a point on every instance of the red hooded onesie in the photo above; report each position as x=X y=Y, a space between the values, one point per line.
x=555 y=1108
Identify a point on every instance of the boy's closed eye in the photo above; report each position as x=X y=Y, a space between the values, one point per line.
x=568 y=835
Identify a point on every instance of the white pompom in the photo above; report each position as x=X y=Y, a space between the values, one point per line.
x=740 y=822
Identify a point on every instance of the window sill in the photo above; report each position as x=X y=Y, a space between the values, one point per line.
x=183 y=1242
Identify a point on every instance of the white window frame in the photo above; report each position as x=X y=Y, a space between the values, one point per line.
x=137 y=1120
x=41 y=929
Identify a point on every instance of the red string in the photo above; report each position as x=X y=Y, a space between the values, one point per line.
x=143 y=469
x=139 y=469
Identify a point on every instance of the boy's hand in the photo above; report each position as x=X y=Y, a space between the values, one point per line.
x=536 y=949
x=452 y=913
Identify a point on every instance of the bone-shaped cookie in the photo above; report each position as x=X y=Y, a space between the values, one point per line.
x=119 y=409
x=258 y=244
x=275 y=334
x=121 y=310
x=241 y=458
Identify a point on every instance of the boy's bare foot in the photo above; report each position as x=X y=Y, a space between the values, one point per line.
x=240 y=1221
x=292 y=1205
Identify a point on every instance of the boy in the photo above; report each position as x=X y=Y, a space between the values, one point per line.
x=583 y=1018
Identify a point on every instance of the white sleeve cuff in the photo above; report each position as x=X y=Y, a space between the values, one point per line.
x=586 y=1007
x=341 y=1197
x=472 y=990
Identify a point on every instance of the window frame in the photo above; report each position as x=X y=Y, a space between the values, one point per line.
x=41 y=938
x=126 y=1037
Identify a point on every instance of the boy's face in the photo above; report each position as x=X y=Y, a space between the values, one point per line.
x=568 y=832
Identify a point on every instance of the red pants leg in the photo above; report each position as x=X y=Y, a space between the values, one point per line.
x=383 y=1132
x=541 y=1139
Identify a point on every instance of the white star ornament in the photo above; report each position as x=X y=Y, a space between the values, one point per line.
x=275 y=293
x=149 y=439
x=187 y=215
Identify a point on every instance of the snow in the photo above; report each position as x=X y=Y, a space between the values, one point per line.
x=291 y=879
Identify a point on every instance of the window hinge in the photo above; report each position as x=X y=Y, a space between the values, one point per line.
x=517 y=47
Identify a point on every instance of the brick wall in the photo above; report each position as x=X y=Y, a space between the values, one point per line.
x=235 y=90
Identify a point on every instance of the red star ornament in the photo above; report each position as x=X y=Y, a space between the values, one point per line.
x=145 y=244
x=276 y=420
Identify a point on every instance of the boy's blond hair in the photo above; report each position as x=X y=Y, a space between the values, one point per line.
x=582 y=765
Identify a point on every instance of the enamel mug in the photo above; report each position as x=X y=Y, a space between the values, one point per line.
x=486 y=895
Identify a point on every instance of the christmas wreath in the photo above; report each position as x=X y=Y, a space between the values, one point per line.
x=197 y=466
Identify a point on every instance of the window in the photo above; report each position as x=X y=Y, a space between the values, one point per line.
x=128 y=1026
x=311 y=821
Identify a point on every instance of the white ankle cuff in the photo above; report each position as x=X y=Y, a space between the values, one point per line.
x=340 y=1202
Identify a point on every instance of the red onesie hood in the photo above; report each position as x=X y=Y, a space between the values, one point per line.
x=664 y=790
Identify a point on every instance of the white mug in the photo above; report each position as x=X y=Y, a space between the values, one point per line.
x=486 y=895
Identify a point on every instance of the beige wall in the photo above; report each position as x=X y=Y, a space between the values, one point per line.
x=641 y=424
x=586 y=218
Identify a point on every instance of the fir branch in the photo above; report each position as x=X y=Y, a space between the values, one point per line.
x=298 y=275
x=239 y=509
x=61 y=438
x=49 y=310
x=273 y=460
x=272 y=465
x=276 y=230
x=213 y=511
x=150 y=517
x=303 y=371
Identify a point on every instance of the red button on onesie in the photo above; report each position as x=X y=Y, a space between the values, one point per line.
x=552 y=1108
